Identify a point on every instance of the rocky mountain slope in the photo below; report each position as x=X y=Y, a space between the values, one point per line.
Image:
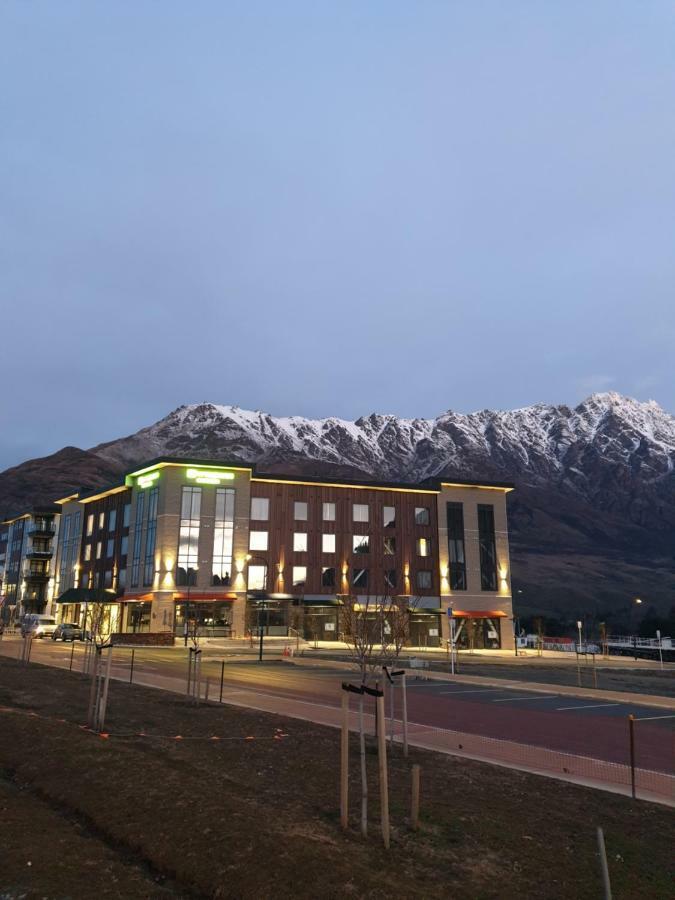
x=593 y=519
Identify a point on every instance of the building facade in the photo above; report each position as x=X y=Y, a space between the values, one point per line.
x=28 y=576
x=220 y=547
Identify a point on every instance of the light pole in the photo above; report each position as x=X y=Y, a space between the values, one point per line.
x=579 y=627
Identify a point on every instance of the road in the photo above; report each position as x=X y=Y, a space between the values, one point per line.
x=587 y=727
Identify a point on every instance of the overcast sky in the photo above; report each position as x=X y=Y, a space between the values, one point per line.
x=330 y=209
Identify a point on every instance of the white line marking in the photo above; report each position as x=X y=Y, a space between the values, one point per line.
x=476 y=691
x=590 y=706
x=540 y=697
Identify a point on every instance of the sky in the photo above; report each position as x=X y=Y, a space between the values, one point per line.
x=330 y=209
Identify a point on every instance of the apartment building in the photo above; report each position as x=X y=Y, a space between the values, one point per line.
x=229 y=550
x=28 y=575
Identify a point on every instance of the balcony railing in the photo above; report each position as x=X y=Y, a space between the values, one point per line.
x=39 y=554
x=46 y=528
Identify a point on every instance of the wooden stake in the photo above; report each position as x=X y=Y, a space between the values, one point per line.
x=344 y=763
x=404 y=688
x=364 y=773
x=382 y=761
x=607 y=887
x=415 y=800
x=104 y=698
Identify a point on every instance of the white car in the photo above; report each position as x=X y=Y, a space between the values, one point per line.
x=38 y=626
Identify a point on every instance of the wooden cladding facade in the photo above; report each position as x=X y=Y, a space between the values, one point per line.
x=406 y=561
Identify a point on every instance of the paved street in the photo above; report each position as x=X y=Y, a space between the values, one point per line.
x=588 y=727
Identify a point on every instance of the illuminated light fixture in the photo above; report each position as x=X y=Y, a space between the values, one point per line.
x=206 y=476
x=144 y=481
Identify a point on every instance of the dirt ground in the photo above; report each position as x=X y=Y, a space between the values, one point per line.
x=254 y=814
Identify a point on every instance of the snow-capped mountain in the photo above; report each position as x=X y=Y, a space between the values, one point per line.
x=535 y=444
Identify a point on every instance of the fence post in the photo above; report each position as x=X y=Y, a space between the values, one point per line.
x=189 y=671
x=222 y=676
x=631 y=734
x=344 y=764
x=72 y=653
x=607 y=887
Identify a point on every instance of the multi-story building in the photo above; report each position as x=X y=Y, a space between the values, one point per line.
x=180 y=541
x=28 y=579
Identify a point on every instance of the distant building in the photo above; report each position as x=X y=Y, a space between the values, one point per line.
x=28 y=576
x=178 y=541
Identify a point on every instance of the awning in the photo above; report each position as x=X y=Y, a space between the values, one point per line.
x=478 y=614
x=201 y=596
x=320 y=601
x=88 y=595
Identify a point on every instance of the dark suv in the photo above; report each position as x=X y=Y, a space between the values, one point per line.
x=68 y=631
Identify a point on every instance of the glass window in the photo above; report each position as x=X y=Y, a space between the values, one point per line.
x=423 y=547
x=456 y=558
x=389 y=516
x=423 y=579
x=328 y=543
x=101 y=520
x=223 y=537
x=360 y=512
x=257 y=578
x=112 y=519
x=300 y=541
x=257 y=540
x=124 y=545
x=300 y=511
x=87 y=552
x=360 y=578
x=138 y=537
x=329 y=512
x=299 y=576
x=389 y=546
x=188 y=535
x=126 y=518
x=107 y=578
x=90 y=524
x=487 y=547
x=122 y=579
x=361 y=543
x=110 y=548
x=390 y=578
x=150 y=537
x=421 y=515
x=328 y=576
x=99 y=549
x=260 y=509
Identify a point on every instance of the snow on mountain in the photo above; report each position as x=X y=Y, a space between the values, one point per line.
x=536 y=444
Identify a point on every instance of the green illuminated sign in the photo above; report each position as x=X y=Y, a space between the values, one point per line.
x=209 y=476
x=144 y=481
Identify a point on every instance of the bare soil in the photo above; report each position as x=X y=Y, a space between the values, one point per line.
x=140 y=813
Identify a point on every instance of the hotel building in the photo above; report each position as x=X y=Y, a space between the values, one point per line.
x=230 y=550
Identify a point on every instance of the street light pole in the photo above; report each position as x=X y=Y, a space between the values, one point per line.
x=579 y=627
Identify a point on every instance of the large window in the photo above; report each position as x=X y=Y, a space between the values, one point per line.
x=223 y=538
x=361 y=543
x=150 y=538
x=423 y=579
x=110 y=548
x=124 y=545
x=360 y=578
x=299 y=577
x=138 y=537
x=360 y=512
x=87 y=552
x=421 y=515
x=328 y=576
x=423 y=547
x=487 y=547
x=328 y=543
x=300 y=511
x=260 y=509
x=126 y=517
x=112 y=519
x=90 y=524
x=188 y=539
x=257 y=540
x=457 y=575
x=329 y=512
x=389 y=516
x=390 y=578
x=300 y=541
x=257 y=577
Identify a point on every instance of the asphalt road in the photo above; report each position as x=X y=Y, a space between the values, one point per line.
x=589 y=727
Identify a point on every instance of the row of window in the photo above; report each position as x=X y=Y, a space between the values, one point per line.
x=260 y=512
x=112 y=520
x=109 y=548
x=259 y=540
x=360 y=578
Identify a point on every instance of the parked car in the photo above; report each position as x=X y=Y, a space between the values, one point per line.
x=38 y=626
x=68 y=631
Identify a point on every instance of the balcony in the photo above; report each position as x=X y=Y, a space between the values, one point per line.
x=36 y=576
x=39 y=554
x=41 y=528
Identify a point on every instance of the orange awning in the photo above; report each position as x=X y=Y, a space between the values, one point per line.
x=479 y=613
